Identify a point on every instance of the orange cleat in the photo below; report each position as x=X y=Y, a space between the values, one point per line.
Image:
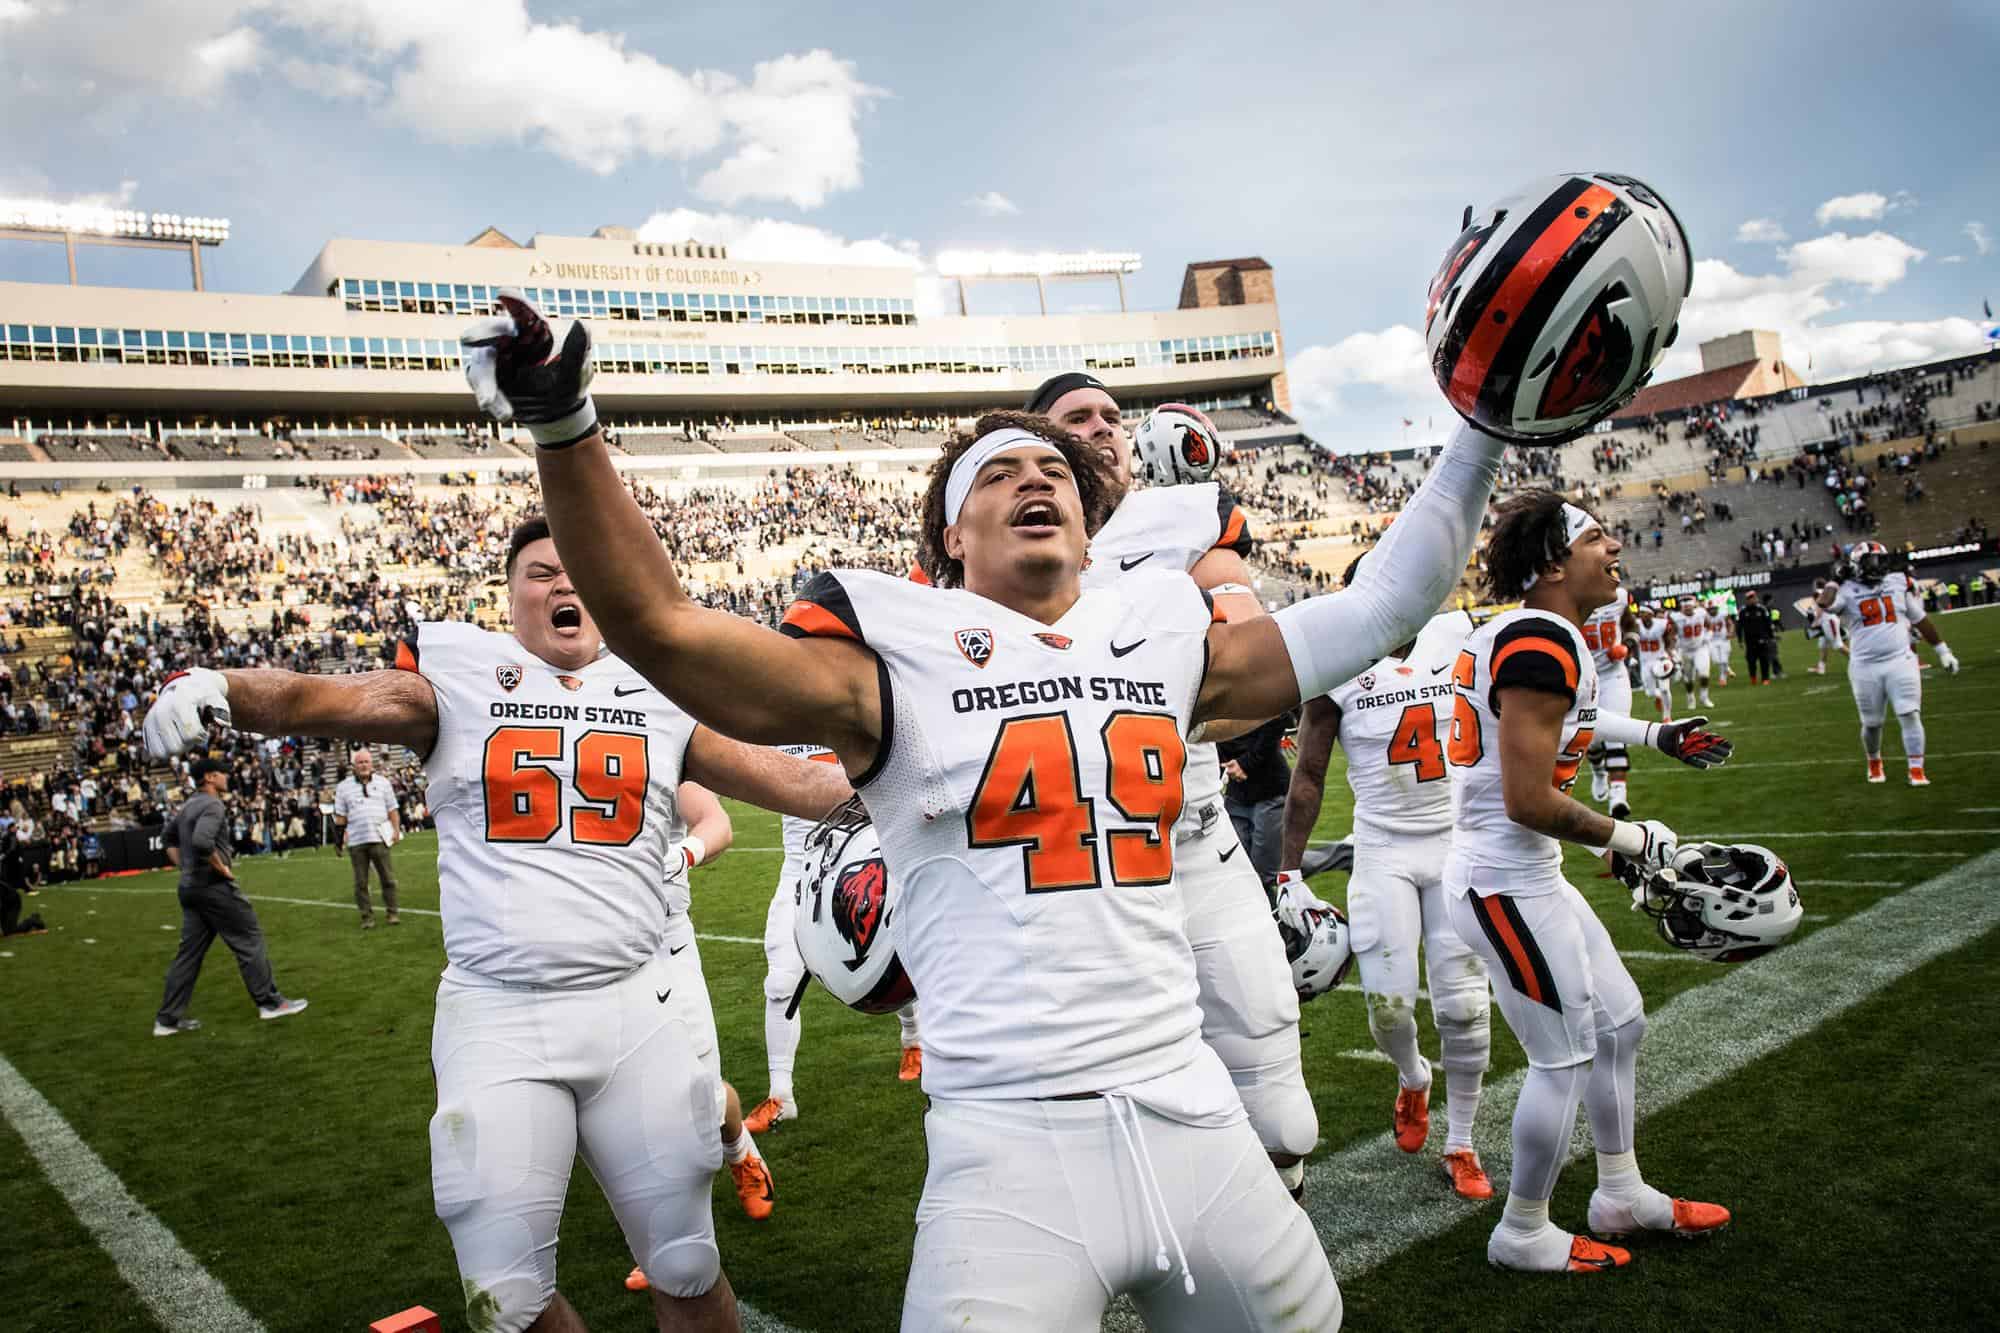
x=636 y=1280
x=912 y=1067
x=1412 y=1118
x=1468 y=1178
x=1587 y=1256
x=1614 y=1220
x=754 y=1187
x=1693 y=1219
x=1917 y=778
x=1875 y=773
x=765 y=1115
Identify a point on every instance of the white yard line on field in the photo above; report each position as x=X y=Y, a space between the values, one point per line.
x=1371 y=1202
x=1852 y=883
x=1993 y=832
x=181 y=1294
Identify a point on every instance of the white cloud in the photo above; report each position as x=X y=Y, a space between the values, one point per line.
x=1952 y=259
x=1762 y=230
x=1981 y=241
x=1865 y=207
x=330 y=80
x=473 y=72
x=993 y=204
x=1873 y=261
x=778 y=241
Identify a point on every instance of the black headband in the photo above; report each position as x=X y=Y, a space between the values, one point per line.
x=1053 y=388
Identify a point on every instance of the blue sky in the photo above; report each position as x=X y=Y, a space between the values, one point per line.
x=1829 y=160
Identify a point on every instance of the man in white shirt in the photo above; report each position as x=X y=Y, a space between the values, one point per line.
x=364 y=809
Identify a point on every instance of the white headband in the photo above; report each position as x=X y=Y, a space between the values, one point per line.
x=959 y=484
x=1576 y=522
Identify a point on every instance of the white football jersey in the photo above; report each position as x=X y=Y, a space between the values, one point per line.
x=1533 y=649
x=1877 y=618
x=1601 y=630
x=553 y=793
x=1718 y=625
x=1652 y=643
x=1173 y=527
x=1025 y=794
x=1690 y=625
x=1394 y=719
x=1829 y=626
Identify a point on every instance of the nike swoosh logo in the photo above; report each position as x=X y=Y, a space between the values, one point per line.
x=1135 y=561
x=671 y=952
x=1116 y=651
x=662 y=995
x=1436 y=669
x=1231 y=852
x=620 y=691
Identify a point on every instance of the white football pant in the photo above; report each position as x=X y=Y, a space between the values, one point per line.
x=1249 y=1011
x=1036 y=1213
x=528 y=1077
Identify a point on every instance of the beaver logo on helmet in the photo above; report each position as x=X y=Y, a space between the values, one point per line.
x=1194 y=449
x=1594 y=363
x=858 y=899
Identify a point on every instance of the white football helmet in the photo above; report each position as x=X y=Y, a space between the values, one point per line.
x=1666 y=666
x=1553 y=306
x=1318 y=947
x=845 y=923
x=1722 y=903
x=1176 y=445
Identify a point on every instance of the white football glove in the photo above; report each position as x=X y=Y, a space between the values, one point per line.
x=517 y=374
x=1648 y=844
x=1293 y=900
x=1947 y=658
x=190 y=701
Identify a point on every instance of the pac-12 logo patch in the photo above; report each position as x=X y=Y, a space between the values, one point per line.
x=1366 y=681
x=509 y=676
x=977 y=645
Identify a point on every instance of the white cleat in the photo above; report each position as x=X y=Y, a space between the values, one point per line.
x=284 y=1010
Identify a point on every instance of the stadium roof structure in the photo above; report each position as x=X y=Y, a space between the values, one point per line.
x=1745 y=379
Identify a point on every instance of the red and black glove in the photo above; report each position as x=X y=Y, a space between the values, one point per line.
x=1688 y=742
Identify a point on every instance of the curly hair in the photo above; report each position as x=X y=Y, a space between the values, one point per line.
x=1093 y=485
x=1527 y=538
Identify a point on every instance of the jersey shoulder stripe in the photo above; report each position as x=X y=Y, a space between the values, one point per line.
x=1232 y=526
x=407 y=656
x=823 y=610
x=1536 y=653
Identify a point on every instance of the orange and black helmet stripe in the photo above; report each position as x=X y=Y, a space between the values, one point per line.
x=1484 y=355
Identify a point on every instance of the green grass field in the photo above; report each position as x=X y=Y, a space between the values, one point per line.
x=291 y=1159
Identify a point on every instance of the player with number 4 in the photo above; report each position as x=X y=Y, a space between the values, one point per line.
x=562 y=1025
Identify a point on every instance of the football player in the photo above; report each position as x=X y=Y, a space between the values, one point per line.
x=1720 y=625
x=1184 y=521
x=1607 y=633
x=1389 y=720
x=1021 y=746
x=1655 y=638
x=564 y=1024
x=1878 y=610
x=1523 y=716
x=1690 y=621
x=785 y=971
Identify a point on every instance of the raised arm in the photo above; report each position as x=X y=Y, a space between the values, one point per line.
x=734 y=675
x=764 y=777
x=1261 y=667
x=394 y=707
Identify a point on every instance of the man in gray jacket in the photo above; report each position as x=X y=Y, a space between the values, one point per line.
x=197 y=839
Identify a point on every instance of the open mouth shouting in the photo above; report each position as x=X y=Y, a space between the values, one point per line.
x=566 y=616
x=1038 y=516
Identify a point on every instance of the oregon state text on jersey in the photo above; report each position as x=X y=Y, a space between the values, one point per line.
x=1173 y=527
x=1394 y=719
x=793 y=830
x=1025 y=790
x=554 y=797
x=1877 y=618
x=1533 y=649
x=1601 y=631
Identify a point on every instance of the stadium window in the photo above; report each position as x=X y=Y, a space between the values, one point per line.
x=369 y=287
x=88 y=337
